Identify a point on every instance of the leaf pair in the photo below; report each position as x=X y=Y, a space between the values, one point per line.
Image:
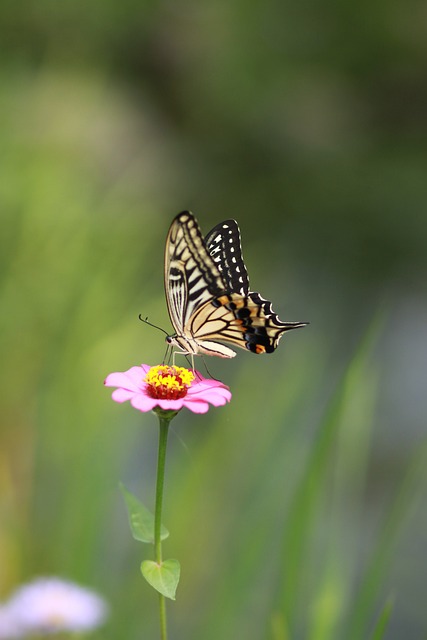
x=163 y=577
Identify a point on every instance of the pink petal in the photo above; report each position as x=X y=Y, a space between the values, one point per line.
x=131 y=379
x=217 y=396
x=122 y=395
x=205 y=391
x=171 y=405
x=196 y=405
x=216 y=401
x=207 y=384
x=222 y=393
x=143 y=402
x=114 y=380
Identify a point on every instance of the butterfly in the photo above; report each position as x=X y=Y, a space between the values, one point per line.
x=207 y=293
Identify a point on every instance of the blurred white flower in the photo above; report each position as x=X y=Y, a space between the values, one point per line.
x=9 y=627
x=50 y=605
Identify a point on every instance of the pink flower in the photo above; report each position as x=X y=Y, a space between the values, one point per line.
x=169 y=388
x=51 y=605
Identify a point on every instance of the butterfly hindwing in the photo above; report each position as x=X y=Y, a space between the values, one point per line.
x=245 y=321
x=207 y=292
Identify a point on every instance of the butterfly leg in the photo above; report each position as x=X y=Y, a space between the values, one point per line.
x=167 y=356
x=182 y=353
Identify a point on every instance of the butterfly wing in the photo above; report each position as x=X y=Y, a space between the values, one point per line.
x=192 y=280
x=248 y=322
x=207 y=292
x=254 y=326
x=224 y=246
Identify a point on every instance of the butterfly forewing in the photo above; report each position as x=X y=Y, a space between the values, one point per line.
x=224 y=246
x=191 y=276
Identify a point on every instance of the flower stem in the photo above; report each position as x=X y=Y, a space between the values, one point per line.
x=161 y=458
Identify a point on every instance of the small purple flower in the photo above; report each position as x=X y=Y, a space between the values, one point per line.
x=9 y=627
x=169 y=388
x=51 y=605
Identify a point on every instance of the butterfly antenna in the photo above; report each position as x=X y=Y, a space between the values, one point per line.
x=150 y=324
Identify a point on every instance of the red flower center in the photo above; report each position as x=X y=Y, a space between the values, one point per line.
x=168 y=383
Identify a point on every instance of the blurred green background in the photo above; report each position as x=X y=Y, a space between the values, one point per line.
x=298 y=510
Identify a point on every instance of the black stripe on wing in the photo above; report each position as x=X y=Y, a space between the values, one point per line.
x=224 y=245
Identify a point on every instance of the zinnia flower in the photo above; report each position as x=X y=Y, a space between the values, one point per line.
x=169 y=388
x=51 y=605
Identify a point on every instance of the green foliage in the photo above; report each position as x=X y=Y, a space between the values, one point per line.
x=141 y=521
x=163 y=577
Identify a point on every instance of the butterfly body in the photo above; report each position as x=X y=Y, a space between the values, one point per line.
x=207 y=293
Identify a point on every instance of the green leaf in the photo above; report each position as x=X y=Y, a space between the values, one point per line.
x=141 y=520
x=163 y=577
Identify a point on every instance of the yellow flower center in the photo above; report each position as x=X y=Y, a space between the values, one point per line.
x=168 y=383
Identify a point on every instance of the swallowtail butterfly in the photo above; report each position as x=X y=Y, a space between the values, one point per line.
x=207 y=293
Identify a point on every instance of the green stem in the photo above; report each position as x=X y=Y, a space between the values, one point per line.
x=163 y=437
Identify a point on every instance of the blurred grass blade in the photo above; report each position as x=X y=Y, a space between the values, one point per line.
x=310 y=491
x=410 y=493
x=383 y=620
x=279 y=629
